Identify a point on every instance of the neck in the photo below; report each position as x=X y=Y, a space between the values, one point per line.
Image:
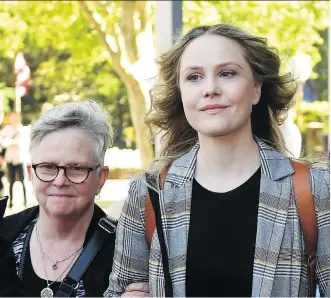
x=229 y=154
x=57 y=229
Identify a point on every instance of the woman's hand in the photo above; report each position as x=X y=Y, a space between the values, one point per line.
x=137 y=289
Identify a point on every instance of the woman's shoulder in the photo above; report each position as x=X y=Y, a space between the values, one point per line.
x=140 y=183
x=319 y=169
x=320 y=179
x=13 y=224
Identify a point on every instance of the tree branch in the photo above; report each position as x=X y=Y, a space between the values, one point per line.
x=141 y=9
x=128 y=30
x=102 y=34
x=116 y=56
x=110 y=25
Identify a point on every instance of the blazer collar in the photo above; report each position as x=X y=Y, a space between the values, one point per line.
x=274 y=164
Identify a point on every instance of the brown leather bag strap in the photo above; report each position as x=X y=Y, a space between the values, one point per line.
x=150 y=220
x=306 y=212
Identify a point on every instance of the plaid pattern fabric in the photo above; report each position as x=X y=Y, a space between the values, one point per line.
x=279 y=265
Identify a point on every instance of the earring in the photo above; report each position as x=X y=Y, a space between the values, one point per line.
x=33 y=194
x=97 y=197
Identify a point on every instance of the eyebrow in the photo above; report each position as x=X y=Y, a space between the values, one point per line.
x=197 y=67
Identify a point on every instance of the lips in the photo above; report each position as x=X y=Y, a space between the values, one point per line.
x=213 y=109
x=60 y=195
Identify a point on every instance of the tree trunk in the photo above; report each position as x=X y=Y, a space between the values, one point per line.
x=137 y=101
x=137 y=104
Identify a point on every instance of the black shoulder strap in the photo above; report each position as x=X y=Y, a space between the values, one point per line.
x=149 y=209
x=154 y=198
x=106 y=226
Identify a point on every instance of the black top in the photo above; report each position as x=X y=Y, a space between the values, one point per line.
x=32 y=282
x=96 y=277
x=221 y=240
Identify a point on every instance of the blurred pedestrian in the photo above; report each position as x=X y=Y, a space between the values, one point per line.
x=2 y=171
x=11 y=136
x=292 y=136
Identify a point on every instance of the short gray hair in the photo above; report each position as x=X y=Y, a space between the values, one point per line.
x=88 y=116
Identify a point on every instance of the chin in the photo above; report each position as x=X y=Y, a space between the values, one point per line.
x=214 y=133
x=221 y=129
x=60 y=210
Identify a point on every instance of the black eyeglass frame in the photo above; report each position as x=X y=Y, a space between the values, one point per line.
x=89 y=170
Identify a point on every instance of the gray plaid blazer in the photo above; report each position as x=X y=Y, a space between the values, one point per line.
x=279 y=267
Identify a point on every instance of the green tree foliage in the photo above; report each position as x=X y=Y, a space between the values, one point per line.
x=80 y=49
x=289 y=26
x=321 y=68
x=64 y=57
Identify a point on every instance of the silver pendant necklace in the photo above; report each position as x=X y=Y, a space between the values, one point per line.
x=48 y=292
x=55 y=262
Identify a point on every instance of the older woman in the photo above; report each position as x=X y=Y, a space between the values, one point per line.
x=65 y=245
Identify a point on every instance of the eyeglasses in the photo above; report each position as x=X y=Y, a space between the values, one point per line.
x=47 y=172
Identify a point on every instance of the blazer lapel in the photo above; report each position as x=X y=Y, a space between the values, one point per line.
x=176 y=221
x=272 y=214
x=175 y=210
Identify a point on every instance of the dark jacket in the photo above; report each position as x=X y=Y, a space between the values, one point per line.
x=10 y=284
x=96 y=278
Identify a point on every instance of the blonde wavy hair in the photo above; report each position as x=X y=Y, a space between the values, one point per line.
x=166 y=112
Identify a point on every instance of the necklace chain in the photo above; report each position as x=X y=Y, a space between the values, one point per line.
x=58 y=278
x=55 y=262
x=47 y=292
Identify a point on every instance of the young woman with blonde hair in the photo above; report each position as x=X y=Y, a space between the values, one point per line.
x=227 y=210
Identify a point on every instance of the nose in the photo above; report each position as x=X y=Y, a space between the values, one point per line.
x=61 y=179
x=212 y=88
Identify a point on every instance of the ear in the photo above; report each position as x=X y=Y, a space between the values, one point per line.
x=29 y=170
x=103 y=176
x=257 y=92
x=31 y=174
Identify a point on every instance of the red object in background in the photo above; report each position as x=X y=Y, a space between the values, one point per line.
x=22 y=71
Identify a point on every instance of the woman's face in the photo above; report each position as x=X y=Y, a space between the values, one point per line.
x=61 y=197
x=217 y=86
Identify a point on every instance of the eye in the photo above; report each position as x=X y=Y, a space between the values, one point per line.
x=76 y=169
x=194 y=77
x=47 y=166
x=227 y=74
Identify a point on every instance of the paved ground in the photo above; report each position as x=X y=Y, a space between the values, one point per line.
x=111 y=197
